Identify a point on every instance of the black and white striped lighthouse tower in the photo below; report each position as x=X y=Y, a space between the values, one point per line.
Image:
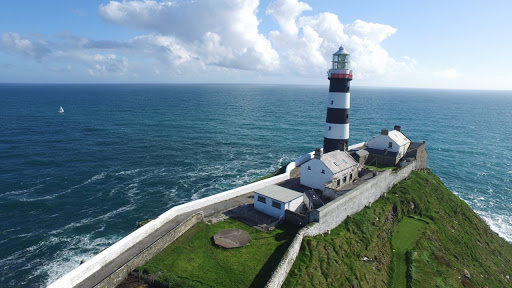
x=338 y=104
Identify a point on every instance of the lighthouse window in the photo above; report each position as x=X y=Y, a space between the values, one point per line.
x=332 y=102
x=329 y=128
x=323 y=171
x=309 y=167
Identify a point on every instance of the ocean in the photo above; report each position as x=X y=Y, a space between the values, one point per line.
x=74 y=183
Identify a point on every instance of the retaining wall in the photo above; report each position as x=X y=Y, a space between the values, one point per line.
x=331 y=215
x=76 y=277
x=120 y=274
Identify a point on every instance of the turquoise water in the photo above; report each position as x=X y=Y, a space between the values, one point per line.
x=72 y=184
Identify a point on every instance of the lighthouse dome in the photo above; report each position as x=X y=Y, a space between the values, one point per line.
x=341 y=51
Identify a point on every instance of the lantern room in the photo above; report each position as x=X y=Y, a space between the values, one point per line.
x=341 y=59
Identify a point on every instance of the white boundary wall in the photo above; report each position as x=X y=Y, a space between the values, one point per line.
x=332 y=214
x=96 y=263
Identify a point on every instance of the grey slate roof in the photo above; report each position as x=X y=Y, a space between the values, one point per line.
x=338 y=160
x=279 y=193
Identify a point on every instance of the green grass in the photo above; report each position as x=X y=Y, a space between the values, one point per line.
x=195 y=261
x=404 y=239
x=375 y=168
x=455 y=239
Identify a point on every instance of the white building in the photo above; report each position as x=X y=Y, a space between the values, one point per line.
x=390 y=143
x=336 y=167
x=273 y=200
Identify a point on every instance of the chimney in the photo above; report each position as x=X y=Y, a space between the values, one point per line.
x=397 y=128
x=317 y=154
x=384 y=132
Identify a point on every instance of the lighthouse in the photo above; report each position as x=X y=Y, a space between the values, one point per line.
x=338 y=103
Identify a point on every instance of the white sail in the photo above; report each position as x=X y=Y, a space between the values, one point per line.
x=61 y=110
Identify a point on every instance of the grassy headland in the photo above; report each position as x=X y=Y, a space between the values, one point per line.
x=419 y=235
x=193 y=260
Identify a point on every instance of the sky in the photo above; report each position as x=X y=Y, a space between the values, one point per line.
x=450 y=44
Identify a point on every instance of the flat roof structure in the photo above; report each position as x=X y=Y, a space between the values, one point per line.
x=279 y=193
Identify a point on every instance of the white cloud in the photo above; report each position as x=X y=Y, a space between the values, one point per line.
x=218 y=38
x=450 y=73
x=322 y=33
x=286 y=12
x=218 y=32
x=104 y=64
x=15 y=44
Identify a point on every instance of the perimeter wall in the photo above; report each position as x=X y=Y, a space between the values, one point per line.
x=79 y=276
x=331 y=215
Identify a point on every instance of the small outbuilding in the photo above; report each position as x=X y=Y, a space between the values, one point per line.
x=388 y=147
x=273 y=200
x=336 y=167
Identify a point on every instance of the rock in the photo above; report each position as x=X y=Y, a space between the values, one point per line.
x=354 y=285
x=467 y=275
x=366 y=259
x=412 y=205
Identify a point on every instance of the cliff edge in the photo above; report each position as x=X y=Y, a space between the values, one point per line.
x=419 y=235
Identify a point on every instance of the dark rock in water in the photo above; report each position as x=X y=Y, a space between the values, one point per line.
x=142 y=223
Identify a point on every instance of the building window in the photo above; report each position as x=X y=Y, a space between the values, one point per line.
x=351 y=177
x=309 y=167
x=390 y=145
x=276 y=204
x=323 y=171
x=332 y=102
x=329 y=128
x=338 y=182
x=262 y=199
x=346 y=179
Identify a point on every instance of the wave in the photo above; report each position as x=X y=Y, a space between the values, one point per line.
x=502 y=224
x=128 y=172
x=92 y=220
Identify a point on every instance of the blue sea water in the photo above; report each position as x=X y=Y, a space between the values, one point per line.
x=72 y=184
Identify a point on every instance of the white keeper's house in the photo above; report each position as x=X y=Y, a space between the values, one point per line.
x=273 y=200
x=334 y=169
x=389 y=146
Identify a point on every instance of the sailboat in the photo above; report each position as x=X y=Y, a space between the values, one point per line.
x=61 y=110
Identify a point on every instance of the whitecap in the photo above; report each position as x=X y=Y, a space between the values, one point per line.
x=128 y=172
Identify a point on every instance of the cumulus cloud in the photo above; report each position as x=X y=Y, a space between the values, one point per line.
x=15 y=44
x=218 y=32
x=311 y=51
x=215 y=36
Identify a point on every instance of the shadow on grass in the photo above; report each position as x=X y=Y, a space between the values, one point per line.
x=288 y=234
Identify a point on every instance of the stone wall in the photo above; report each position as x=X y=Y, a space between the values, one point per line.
x=331 y=215
x=79 y=276
x=295 y=218
x=120 y=274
